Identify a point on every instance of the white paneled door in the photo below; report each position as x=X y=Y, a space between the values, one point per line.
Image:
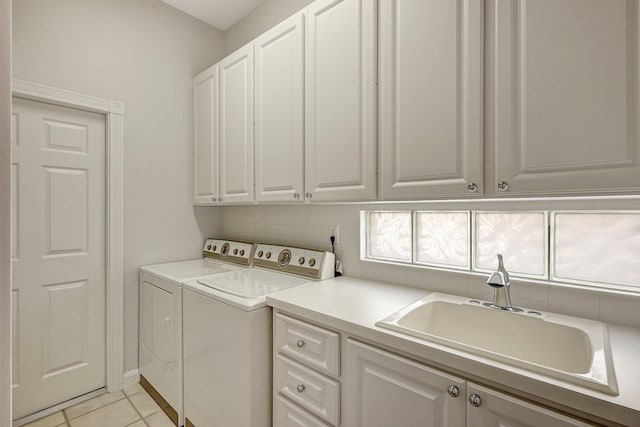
x=58 y=163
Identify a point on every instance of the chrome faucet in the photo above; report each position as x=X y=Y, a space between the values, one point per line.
x=499 y=281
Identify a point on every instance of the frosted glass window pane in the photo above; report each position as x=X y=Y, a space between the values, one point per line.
x=519 y=236
x=598 y=247
x=443 y=238
x=389 y=236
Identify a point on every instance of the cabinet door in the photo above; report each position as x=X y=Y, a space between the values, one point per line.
x=496 y=409
x=563 y=96
x=205 y=137
x=279 y=109
x=236 y=126
x=430 y=98
x=382 y=389
x=340 y=93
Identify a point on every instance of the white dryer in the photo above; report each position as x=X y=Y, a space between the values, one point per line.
x=160 y=341
x=227 y=336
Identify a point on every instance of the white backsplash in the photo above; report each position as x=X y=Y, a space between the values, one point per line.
x=308 y=226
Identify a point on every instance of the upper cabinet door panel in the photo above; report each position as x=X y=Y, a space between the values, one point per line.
x=564 y=82
x=430 y=98
x=205 y=135
x=340 y=96
x=236 y=126
x=279 y=109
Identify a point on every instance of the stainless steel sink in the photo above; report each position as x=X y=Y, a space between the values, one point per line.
x=567 y=348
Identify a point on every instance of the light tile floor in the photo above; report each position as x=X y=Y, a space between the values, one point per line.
x=131 y=407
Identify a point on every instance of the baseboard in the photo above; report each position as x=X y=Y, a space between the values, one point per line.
x=130 y=378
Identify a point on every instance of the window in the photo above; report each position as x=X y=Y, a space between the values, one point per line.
x=442 y=239
x=586 y=247
x=390 y=236
x=521 y=237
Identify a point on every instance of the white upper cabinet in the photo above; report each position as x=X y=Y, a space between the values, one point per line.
x=430 y=98
x=236 y=127
x=206 y=189
x=340 y=100
x=279 y=112
x=563 y=96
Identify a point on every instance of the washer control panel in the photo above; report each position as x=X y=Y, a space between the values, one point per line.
x=313 y=263
x=229 y=250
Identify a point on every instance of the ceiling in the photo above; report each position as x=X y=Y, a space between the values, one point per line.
x=220 y=14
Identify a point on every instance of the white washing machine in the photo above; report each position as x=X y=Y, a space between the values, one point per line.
x=160 y=343
x=227 y=336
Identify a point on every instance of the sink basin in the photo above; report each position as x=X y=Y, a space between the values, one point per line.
x=567 y=348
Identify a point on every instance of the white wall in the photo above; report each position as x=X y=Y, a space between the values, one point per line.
x=265 y=16
x=308 y=226
x=143 y=53
x=5 y=211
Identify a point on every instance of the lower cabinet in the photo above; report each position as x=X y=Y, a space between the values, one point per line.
x=382 y=390
x=377 y=388
x=489 y=408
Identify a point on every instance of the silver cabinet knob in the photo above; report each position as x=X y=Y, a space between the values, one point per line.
x=475 y=400
x=300 y=343
x=220 y=199
x=503 y=186
x=472 y=187
x=453 y=391
x=301 y=388
x=214 y=199
x=308 y=195
x=296 y=195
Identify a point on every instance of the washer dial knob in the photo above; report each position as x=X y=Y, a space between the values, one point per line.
x=225 y=249
x=284 y=257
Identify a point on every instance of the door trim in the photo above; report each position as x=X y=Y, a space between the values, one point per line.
x=114 y=116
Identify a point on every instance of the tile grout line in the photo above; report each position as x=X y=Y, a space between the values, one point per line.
x=68 y=420
x=126 y=396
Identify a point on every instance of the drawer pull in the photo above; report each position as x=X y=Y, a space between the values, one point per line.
x=300 y=343
x=301 y=388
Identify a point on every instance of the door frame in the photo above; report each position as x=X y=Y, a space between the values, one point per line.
x=114 y=139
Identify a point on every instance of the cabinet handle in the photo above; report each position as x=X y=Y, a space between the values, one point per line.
x=300 y=343
x=296 y=195
x=503 y=186
x=453 y=391
x=220 y=199
x=472 y=187
x=475 y=400
x=214 y=199
x=308 y=195
x=300 y=388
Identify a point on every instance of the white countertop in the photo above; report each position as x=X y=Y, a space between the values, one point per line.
x=354 y=306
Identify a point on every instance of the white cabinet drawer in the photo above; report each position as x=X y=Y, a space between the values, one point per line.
x=289 y=415
x=314 y=392
x=309 y=344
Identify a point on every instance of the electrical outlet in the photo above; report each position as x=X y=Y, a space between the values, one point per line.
x=333 y=231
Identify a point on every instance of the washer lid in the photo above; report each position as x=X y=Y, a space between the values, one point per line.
x=252 y=283
x=183 y=270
